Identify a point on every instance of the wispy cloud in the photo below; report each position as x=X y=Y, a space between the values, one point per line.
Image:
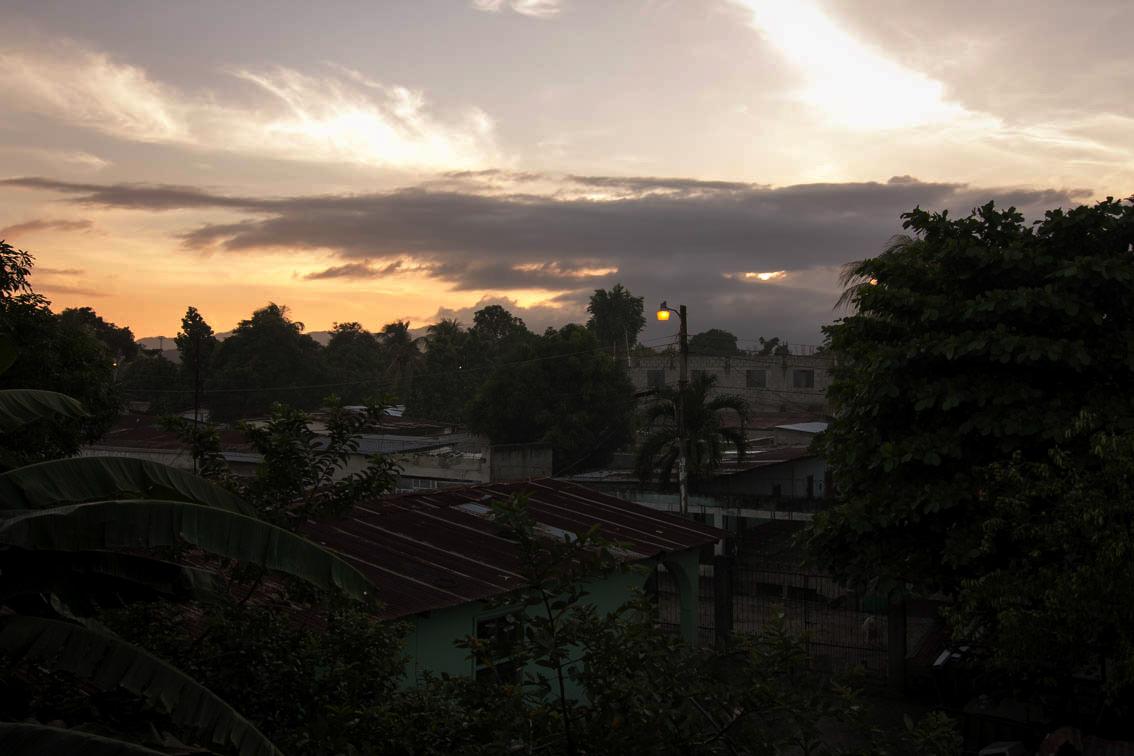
x=43 y=224
x=89 y=89
x=69 y=160
x=362 y=270
x=60 y=271
x=533 y=8
x=336 y=116
x=81 y=291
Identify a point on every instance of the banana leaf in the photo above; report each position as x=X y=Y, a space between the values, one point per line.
x=111 y=663
x=18 y=407
x=22 y=739
x=91 y=573
x=8 y=353
x=144 y=523
x=79 y=479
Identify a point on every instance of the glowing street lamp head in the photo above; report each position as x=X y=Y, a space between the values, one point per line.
x=663 y=312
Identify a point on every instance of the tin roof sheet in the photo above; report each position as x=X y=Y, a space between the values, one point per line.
x=437 y=549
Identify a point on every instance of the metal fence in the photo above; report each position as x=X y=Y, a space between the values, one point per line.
x=841 y=630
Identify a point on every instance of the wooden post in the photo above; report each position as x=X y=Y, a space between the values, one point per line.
x=896 y=642
x=722 y=598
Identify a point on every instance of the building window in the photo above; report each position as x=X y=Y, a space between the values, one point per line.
x=655 y=379
x=756 y=378
x=500 y=634
x=696 y=375
x=803 y=378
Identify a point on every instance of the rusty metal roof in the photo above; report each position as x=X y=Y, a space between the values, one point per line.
x=438 y=549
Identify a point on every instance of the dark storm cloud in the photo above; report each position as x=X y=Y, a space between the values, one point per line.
x=655 y=235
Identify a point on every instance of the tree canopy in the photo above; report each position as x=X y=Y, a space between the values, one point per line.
x=119 y=340
x=267 y=359
x=972 y=342
x=616 y=318
x=563 y=389
x=354 y=363
x=714 y=342
x=51 y=354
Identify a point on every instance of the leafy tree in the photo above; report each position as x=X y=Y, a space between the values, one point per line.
x=973 y=342
x=714 y=342
x=774 y=346
x=562 y=389
x=330 y=688
x=53 y=355
x=119 y=340
x=616 y=319
x=152 y=379
x=196 y=346
x=1056 y=602
x=354 y=357
x=452 y=369
x=494 y=324
x=706 y=433
x=304 y=473
x=403 y=357
x=267 y=359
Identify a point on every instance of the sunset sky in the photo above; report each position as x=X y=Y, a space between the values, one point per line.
x=416 y=159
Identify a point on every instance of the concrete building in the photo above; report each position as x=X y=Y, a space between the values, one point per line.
x=430 y=455
x=770 y=383
x=438 y=560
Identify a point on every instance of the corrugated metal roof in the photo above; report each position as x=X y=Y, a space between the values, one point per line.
x=812 y=427
x=756 y=458
x=440 y=548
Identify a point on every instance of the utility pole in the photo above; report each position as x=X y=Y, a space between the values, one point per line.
x=682 y=385
x=664 y=311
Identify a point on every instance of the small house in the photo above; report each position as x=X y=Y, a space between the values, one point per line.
x=438 y=559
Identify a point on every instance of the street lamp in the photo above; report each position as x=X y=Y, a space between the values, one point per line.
x=664 y=311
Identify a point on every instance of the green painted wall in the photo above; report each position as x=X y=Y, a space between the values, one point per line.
x=430 y=639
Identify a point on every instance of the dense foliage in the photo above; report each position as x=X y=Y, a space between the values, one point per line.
x=119 y=340
x=563 y=389
x=979 y=339
x=714 y=342
x=981 y=445
x=1055 y=607
x=616 y=319
x=56 y=354
x=266 y=359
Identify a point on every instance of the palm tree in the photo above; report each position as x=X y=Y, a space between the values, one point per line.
x=707 y=436
x=70 y=534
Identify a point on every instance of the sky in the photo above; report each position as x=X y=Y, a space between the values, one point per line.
x=419 y=159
